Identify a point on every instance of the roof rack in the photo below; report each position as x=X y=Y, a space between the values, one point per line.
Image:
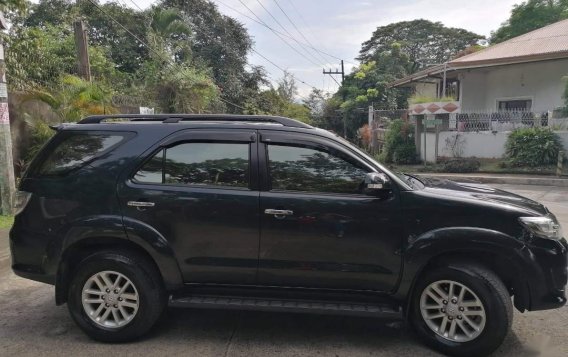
x=175 y=118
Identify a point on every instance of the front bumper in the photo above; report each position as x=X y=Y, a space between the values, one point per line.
x=547 y=273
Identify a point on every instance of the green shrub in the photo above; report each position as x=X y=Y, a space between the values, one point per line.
x=399 y=139
x=532 y=147
x=461 y=166
x=404 y=154
x=40 y=134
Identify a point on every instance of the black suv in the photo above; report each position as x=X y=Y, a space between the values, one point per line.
x=125 y=214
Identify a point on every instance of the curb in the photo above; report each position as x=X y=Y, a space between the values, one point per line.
x=511 y=180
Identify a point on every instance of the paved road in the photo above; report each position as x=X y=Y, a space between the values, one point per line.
x=31 y=324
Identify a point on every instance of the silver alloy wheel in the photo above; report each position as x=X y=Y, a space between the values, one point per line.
x=452 y=311
x=110 y=299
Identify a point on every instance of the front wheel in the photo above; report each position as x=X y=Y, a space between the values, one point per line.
x=462 y=309
x=116 y=296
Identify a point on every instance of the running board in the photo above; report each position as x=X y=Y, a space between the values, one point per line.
x=296 y=306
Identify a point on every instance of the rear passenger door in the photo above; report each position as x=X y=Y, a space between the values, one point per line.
x=199 y=190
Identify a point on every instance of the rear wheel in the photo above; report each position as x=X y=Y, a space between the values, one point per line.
x=116 y=296
x=462 y=309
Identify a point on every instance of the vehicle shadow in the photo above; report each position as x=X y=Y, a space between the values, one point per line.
x=31 y=324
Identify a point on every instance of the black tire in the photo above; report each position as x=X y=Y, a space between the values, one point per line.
x=145 y=277
x=492 y=293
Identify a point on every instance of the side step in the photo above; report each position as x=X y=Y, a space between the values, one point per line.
x=297 y=306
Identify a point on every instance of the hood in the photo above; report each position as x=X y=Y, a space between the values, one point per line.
x=477 y=191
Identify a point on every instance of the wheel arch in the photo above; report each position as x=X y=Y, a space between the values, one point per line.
x=109 y=233
x=497 y=251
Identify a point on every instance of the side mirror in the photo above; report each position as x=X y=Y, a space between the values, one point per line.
x=376 y=184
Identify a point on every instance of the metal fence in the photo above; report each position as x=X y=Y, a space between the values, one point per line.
x=499 y=121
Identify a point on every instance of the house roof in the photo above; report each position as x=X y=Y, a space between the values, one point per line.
x=546 y=43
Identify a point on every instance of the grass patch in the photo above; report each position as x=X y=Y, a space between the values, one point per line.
x=6 y=222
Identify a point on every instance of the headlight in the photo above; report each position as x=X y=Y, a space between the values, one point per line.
x=544 y=227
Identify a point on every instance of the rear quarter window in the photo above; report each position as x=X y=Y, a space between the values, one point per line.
x=73 y=150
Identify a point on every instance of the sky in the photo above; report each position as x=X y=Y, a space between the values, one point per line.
x=338 y=27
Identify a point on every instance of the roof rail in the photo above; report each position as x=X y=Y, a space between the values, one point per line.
x=175 y=118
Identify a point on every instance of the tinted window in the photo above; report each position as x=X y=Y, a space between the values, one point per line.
x=304 y=169
x=151 y=171
x=76 y=150
x=212 y=164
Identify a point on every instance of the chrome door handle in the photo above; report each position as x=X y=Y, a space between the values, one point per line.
x=140 y=205
x=279 y=213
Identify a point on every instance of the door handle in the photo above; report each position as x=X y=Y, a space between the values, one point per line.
x=279 y=213
x=140 y=205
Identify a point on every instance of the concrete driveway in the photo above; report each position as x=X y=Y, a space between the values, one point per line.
x=31 y=324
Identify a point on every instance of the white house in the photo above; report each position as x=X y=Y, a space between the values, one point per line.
x=519 y=82
x=523 y=73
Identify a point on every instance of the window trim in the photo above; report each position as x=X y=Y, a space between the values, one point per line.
x=514 y=99
x=169 y=144
x=317 y=147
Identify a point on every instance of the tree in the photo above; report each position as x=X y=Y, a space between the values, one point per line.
x=167 y=35
x=287 y=88
x=13 y=5
x=183 y=89
x=74 y=98
x=221 y=43
x=366 y=85
x=280 y=101
x=126 y=52
x=316 y=102
x=530 y=15
x=423 y=41
x=40 y=57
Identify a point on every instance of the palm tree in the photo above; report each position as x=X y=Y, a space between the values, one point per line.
x=168 y=34
x=74 y=98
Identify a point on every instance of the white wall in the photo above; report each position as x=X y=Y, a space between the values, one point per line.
x=540 y=81
x=482 y=145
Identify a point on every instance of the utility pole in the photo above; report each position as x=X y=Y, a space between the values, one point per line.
x=82 y=47
x=7 y=180
x=342 y=72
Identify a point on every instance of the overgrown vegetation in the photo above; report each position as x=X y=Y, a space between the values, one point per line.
x=532 y=147
x=399 y=144
x=176 y=56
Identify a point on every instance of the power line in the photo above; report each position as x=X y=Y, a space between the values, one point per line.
x=282 y=69
x=335 y=80
x=299 y=13
x=148 y=46
x=272 y=29
x=279 y=36
x=296 y=27
x=252 y=49
x=303 y=47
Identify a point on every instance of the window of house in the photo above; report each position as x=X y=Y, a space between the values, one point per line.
x=294 y=168
x=207 y=164
x=518 y=104
x=453 y=88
